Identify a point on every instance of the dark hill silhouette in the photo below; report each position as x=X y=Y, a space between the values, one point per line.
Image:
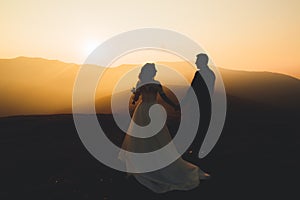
x=274 y=89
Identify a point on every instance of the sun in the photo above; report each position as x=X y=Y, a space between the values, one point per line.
x=90 y=46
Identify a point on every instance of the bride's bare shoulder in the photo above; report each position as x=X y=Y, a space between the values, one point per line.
x=156 y=82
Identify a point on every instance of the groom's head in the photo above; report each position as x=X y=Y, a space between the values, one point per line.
x=202 y=60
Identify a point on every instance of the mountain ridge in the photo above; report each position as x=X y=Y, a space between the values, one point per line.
x=28 y=91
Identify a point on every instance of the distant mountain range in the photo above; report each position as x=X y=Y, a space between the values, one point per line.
x=39 y=86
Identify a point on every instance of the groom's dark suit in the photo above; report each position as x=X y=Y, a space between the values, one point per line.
x=204 y=104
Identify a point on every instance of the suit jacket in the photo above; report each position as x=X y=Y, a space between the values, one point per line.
x=204 y=102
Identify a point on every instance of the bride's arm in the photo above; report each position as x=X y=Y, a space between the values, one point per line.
x=136 y=93
x=166 y=99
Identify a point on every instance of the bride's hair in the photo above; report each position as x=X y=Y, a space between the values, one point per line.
x=147 y=72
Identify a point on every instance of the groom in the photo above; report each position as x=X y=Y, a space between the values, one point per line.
x=203 y=85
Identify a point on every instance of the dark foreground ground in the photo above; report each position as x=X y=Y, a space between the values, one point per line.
x=257 y=157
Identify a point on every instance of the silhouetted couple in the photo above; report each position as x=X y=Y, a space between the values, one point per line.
x=181 y=174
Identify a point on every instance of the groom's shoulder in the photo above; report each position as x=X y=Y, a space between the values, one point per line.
x=198 y=75
x=156 y=82
x=197 y=78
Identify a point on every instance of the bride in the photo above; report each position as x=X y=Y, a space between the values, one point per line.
x=179 y=175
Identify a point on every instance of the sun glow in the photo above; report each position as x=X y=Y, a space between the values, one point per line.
x=90 y=46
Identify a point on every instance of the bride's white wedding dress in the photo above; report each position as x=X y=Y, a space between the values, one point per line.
x=180 y=175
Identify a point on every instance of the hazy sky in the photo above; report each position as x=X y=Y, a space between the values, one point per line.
x=237 y=34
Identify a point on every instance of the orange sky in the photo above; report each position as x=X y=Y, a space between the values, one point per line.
x=261 y=35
